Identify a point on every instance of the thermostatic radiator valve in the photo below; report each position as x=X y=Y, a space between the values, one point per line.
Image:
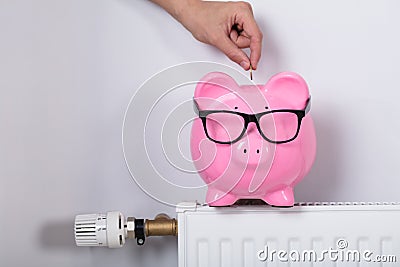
x=111 y=229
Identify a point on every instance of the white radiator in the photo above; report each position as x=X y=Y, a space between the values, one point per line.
x=317 y=234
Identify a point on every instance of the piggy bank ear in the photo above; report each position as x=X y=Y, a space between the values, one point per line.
x=214 y=85
x=290 y=86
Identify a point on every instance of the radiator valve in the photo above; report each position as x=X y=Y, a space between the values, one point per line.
x=111 y=229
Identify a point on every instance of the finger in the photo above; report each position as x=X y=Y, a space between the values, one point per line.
x=240 y=41
x=226 y=45
x=255 y=50
x=252 y=30
x=237 y=28
x=234 y=35
x=243 y=42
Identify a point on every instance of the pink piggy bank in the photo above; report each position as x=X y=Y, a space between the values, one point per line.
x=252 y=142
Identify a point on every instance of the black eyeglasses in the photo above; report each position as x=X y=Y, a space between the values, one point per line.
x=275 y=126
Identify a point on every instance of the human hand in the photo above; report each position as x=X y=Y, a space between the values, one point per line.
x=229 y=26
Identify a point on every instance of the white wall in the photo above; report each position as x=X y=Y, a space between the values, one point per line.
x=69 y=68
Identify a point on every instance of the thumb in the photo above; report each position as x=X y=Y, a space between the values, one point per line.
x=233 y=52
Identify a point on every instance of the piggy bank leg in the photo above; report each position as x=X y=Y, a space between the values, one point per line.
x=217 y=198
x=280 y=198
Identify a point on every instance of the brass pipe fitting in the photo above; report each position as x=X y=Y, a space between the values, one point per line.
x=162 y=225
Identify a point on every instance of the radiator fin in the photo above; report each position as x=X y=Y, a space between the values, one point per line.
x=226 y=253
x=203 y=253
x=248 y=250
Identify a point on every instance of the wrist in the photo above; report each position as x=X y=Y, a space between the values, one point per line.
x=184 y=8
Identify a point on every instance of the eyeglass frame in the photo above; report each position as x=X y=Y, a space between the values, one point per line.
x=252 y=118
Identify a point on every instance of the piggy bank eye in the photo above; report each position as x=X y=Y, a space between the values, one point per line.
x=279 y=126
x=224 y=127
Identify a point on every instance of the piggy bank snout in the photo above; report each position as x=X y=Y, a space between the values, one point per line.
x=252 y=149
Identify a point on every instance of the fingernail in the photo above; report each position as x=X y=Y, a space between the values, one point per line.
x=253 y=65
x=245 y=65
